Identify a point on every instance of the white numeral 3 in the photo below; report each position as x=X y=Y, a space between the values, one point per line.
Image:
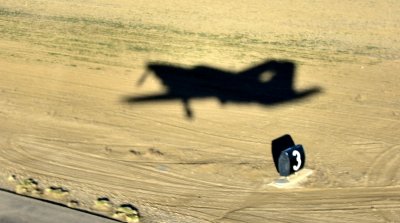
x=298 y=159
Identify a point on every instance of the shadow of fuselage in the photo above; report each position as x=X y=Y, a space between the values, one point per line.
x=253 y=85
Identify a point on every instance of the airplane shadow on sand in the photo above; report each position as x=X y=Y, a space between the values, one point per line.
x=268 y=83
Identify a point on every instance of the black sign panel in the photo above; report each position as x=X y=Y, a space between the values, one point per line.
x=280 y=144
x=288 y=157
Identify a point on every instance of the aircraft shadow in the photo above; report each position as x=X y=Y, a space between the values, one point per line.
x=269 y=83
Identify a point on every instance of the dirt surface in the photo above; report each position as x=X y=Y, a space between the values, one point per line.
x=66 y=67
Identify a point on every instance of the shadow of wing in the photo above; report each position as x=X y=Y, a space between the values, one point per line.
x=151 y=98
x=306 y=93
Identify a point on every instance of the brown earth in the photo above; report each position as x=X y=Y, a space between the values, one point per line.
x=65 y=67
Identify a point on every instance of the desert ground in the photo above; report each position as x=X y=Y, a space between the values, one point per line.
x=68 y=135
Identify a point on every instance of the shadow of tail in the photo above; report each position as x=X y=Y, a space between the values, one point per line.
x=290 y=96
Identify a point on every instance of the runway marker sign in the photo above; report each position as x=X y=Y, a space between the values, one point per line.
x=288 y=157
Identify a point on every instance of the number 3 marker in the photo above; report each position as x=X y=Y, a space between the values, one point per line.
x=298 y=159
x=288 y=157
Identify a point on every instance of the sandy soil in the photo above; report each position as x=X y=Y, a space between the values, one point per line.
x=65 y=67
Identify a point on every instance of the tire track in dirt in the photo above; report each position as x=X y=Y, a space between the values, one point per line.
x=384 y=171
x=166 y=192
x=71 y=159
x=306 y=205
